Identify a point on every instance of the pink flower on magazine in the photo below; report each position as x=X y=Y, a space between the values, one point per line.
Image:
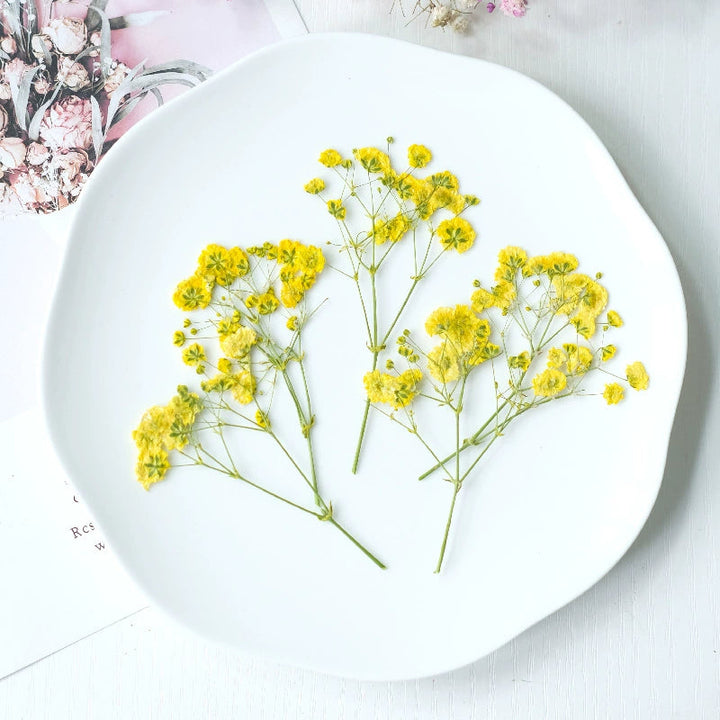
x=115 y=78
x=68 y=124
x=12 y=153
x=72 y=74
x=67 y=167
x=33 y=190
x=14 y=71
x=67 y=34
x=37 y=154
x=516 y=8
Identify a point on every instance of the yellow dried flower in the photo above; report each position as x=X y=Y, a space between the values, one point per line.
x=310 y=260
x=373 y=160
x=224 y=365
x=556 y=358
x=262 y=419
x=215 y=264
x=637 y=376
x=549 y=383
x=444 y=179
x=521 y=361
x=193 y=354
x=239 y=262
x=377 y=386
x=218 y=383
x=579 y=359
x=512 y=256
x=458 y=325
x=613 y=393
x=244 y=388
x=227 y=326
x=404 y=388
x=193 y=294
x=456 y=234
x=393 y=229
x=330 y=158
x=504 y=295
x=238 y=344
x=482 y=352
x=151 y=468
x=608 y=352
x=179 y=338
x=336 y=209
x=162 y=429
x=315 y=186
x=267 y=303
x=419 y=156
x=584 y=325
x=443 y=363
x=559 y=263
x=614 y=319
x=292 y=323
x=481 y=300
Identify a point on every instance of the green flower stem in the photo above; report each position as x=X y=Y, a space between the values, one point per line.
x=376 y=353
x=466 y=443
x=457 y=481
x=326 y=512
x=355 y=542
x=291 y=459
x=497 y=432
x=447 y=527
x=363 y=426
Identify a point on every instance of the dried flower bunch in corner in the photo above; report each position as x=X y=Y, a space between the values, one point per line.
x=244 y=338
x=61 y=92
x=457 y=14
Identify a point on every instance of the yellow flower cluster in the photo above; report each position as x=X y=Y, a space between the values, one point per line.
x=315 y=186
x=265 y=303
x=236 y=345
x=465 y=342
x=430 y=194
x=456 y=234
x=161 y=430
x=637 y=376
x=393 y=229
x=300 y=266
x=549 y=382
x=503 y=294
x=576 y=359
x=395 y=390
x=216 y=265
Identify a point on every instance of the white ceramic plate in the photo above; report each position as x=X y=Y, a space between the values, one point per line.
x=554 y=507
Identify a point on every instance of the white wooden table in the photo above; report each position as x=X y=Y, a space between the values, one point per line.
x=644 y=642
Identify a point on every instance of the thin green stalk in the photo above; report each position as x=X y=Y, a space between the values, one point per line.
x=363 y=426
x=465 y=444
x=355 y=542
x=447 y=527
x=400 y=311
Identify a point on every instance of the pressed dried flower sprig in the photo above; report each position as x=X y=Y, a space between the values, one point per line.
x=378 y=208
x=547 y=322
x=261 y=363
x=456 y=14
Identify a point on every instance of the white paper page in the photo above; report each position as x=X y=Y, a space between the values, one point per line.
x=59 y=581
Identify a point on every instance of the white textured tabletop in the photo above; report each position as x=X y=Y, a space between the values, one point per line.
x=643 y=643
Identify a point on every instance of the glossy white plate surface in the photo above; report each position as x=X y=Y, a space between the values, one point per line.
x=558 y=500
